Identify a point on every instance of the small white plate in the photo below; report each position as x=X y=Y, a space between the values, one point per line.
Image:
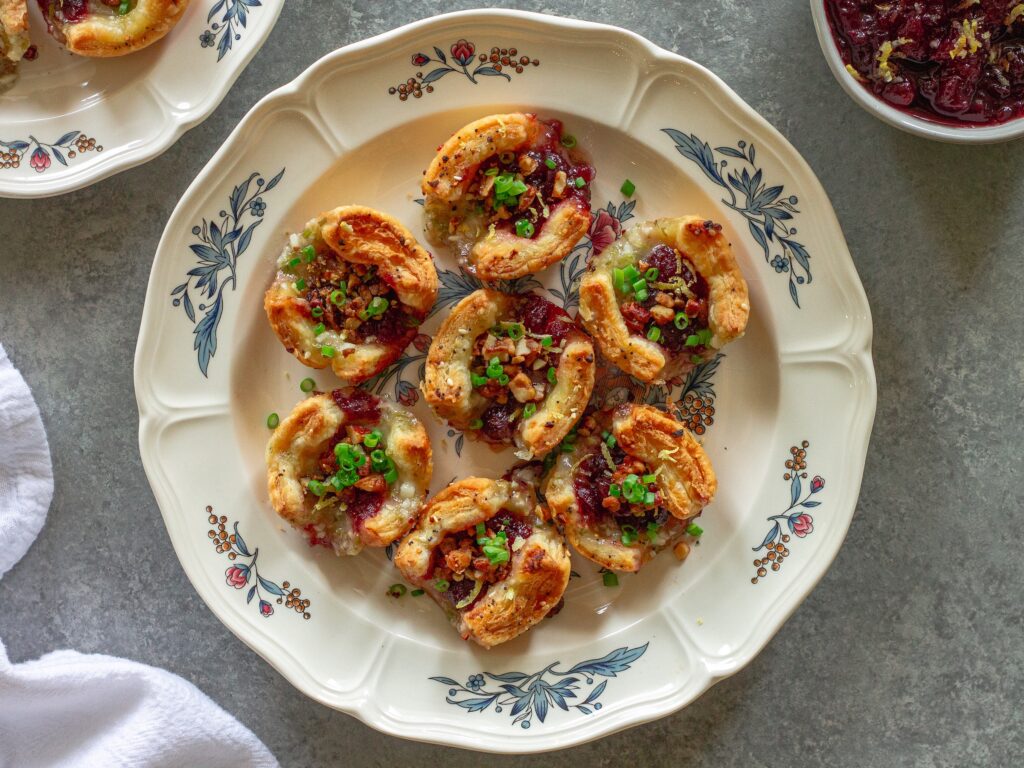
x=800 y=385
x=71 y=121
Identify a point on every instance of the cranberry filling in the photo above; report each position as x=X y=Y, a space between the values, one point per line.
x=950 y=62
x=459 y=591
x=497 y=422
x=542 y=317
x=362 y=505
x=358 y=405
x=514 y=527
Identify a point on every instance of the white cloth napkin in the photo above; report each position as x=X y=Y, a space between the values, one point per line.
x=70 y=710
x=26 y=477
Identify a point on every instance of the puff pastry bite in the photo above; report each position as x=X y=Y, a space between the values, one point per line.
x=509 y=193
x=14 y=39
x=510 y=370
x=483 y=552
x=105 y=28
x=350 y=292
x=349 y=469
x=634 y=480
x=664 y=297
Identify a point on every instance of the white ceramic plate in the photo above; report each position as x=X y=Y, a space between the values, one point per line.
x=70 y=121
x=208 y=370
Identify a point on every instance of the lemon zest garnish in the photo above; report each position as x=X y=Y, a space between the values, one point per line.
x=1015 y=13
x=966 y=4
x=968 y=41
x=888 y=48
x=854 y=73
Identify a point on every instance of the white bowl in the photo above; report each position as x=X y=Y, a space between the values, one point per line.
x=989 y=134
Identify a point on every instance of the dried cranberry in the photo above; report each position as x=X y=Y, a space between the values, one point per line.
x=459 y=591
x=74 y=10
x=663 y=258
x=315 y=539
x=497 y=423
x=591 y=484
x=542 y=317
x=512 y=526
x=358 y=405
x=391 y=328
x=363 y=505
x=636 y=316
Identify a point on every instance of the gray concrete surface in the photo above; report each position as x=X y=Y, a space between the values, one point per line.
x=911 y=650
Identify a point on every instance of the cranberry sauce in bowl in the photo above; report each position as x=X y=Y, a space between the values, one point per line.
x=955 y=62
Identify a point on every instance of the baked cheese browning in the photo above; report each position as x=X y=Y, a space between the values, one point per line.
x=349 y=470
x=351 y=292
x=483 y=551
x=509 y=193
x=630 y=487
x=510 y=370
x=665 y=297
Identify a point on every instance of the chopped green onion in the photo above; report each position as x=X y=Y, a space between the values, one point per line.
x=567 y=447
x=481 y=532
x=580 y=182
x=378 y=306
x=611 y=441
x=610 y=579
x=568 y=141
x=651 y=275
x=391 y=476
x=491 y=171
x=696 y=359
x=371 y=440
x=378 y=456
x=476 y=424
x=627 y=188
x=503 y=379
x=652 y=531
x=124 y=7
x=649 y=498
x=694 y=530
x=396 y=590
x=494 y=368
x=319 y=328
x=529 y=409
x=309 y=252
x=338 y=297
x=358 y=456
x=524 y=228
x=648 y=479
x=630 y=273
x=300 y=284
x=619 y=279
x=327 y=350
x=293 y=263
x=629 y=535
x=417 y=592
x=654 y=333
x=441 y=585
x=316 y=488
x=273 y=420
x=640 y=285
x=614 y=490
x=604 y=434
x=515 y=331
x=317 y=312
x=477 y=379
x=550 y=163
x=681 y=320
x=642 y=295
x=552 y=374
x=307 y=385
x=699 y=339
x=547 y=341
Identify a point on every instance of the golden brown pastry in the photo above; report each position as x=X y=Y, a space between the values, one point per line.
x=349 y=469
x=14 y=39
x=630 y=487
x=483 y=552
x=104 y=28
x=350 y=292
x=664 y=297
x=509 y=193
x=510 y=370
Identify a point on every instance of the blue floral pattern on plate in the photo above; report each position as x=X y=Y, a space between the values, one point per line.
x=222 y=240
x=227 y=30
x=529 y=695
x=765 y=208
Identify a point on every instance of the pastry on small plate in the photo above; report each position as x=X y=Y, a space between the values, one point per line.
x=14 y=39
x=664 y=297
x=633 y=482
x=482 y=551
x=509 y=193
x=104 y=28
x=349 y=469
x=350 y=292
x=510 y=370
